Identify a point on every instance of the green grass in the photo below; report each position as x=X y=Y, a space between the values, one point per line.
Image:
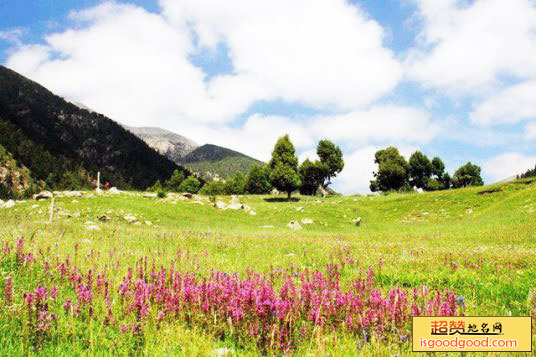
x=419 y=237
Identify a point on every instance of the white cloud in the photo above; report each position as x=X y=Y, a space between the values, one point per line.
x=467 y=47
x=509 y=105
x=530 y=131
x=508 y=164
x=323 y=53
x=384 y=123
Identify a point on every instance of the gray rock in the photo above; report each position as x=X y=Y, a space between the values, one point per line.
x=274 y=192
x=295 y=226
x=299 y=209
x=104 y=218
x=92 y=228
x=43 y=195
x=357 y=221
x=130 y=218
x=220 y=205
x=114 y=191
x=9 y=204
x=307 y=221
x=72 y=193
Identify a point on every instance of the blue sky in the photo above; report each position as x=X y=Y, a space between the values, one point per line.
x=451 y=78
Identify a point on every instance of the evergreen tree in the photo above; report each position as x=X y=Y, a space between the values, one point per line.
x=284 y=167
x=330 y=159
x=467 y=175
x=312 y=175
x=420 y=170
x=175 y=181
x=258 y=181
x=392 y=171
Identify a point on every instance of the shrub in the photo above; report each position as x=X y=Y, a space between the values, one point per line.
x=191 y=185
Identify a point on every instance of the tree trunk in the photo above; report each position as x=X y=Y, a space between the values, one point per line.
x=289 y=193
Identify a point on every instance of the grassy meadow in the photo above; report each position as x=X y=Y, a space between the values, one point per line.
x=479 y=243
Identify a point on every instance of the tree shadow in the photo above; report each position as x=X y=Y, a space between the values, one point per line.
x=282 y=199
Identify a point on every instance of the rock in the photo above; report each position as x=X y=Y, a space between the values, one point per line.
x=33 y=206
x=299 y=209
x=469 y=211
x=89 y=223
x=274 y=192
x=114 y=191
x=72 y=193
x=294 y=225
x=224 y=351
x=307 y=221
x=220 y=205
x=187 y=195
x=357 y=221
x=252 y=213
x=137 y=223
x=9 y=204
x=74 y=201
x=130 y=218
x=43 y=195
x=104 y=218
x=76 y=214
x=290 y=255
x=149 y=223
x=87 y=241
x=266 y=226
x=425 y=214
x=150 y=195
x=93 y=228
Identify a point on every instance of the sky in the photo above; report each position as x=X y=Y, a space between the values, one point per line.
x=451 y=78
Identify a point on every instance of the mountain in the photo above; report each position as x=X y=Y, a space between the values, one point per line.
x=167 y=143
x=209 y=159
x=65 y=145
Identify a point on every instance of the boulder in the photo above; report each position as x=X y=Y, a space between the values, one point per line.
x=307 y=221
x=275 y=192
x=114 y=191
x=104 y=218
x=295 y=226
x=72 y=193
x=357 y=221
x=43 y=195
x=130 y=218
x=187 y=195
x=220 y=205
x=9 y=204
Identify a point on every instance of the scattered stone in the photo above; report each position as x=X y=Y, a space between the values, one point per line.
x=149 y=223
x=104 y=218
x=93 y=228
x=72 y=193
x=150 y=195
x=220 y=205
x=74 y=201
x=33 y=206
x=357 y=221
x=307 y=221
x=76 y=214
x=469 y=211
x=224 y=351
x=137 y=223
x=114 y=191
x=290 y=255
x=88 y=223
x=9 y=204
x=266 y=226
x=252 y=213
x=187 y=195
x=295 y=226
x=43 y=195
x=87 y=241
x=130 y=218
x=299 y=209
x=425 y=213
x=275 y=192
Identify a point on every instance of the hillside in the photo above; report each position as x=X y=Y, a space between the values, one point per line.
x=171 y=145
x=15 y=180
x=218 y=160
x=65 y=145
x=477 y=245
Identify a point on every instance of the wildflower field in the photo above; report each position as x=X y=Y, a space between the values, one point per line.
x=185 y=278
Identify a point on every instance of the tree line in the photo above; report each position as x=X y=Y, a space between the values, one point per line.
x=396 y=174
x=281 y=172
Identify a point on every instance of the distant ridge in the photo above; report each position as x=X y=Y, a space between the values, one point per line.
x=65 y=145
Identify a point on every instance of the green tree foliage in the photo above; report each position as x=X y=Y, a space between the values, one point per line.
x=467 y=175
x=213 y=188
x=445 y=181
x=392 y=171
x=284 y=167
x=175 y=181
x=330 y=159
x=157 y=187
x=438 y=167
x=312 y=175
x=258 y=181
x=433 y=185
x=235 y=185
x=420 y=170
x=529 y=173
x=191 y=185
